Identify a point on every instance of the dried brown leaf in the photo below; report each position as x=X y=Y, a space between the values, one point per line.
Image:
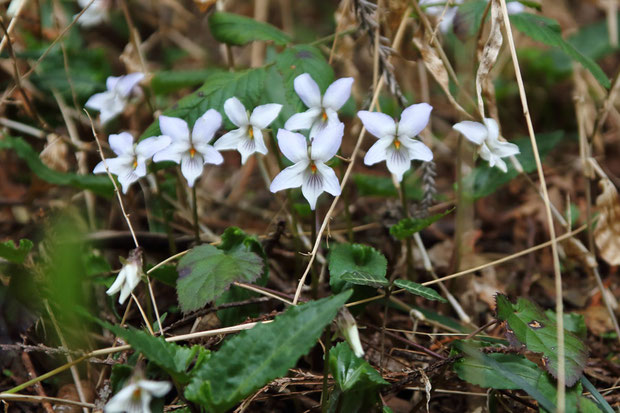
x=435 y=66
x=607 y=231
x=488 y=57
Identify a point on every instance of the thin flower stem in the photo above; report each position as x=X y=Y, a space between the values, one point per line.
x=347 y=204
x=195 y=211
x=408 y=243
x=315 y=274
x=325 y=389
x=172 y=246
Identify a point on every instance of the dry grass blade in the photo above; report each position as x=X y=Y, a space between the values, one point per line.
x=607 y=230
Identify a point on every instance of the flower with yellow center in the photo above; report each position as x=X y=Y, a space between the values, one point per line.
x=396 y=142
x=309 y=170
x=322 y=111
x=248 y=137
x=130 y=165
x=136 y=397
x=191 y=150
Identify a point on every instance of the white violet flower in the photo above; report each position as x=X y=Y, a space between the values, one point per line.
x=513 y=7
x=113 y=101
x=130 y=165
x=129 y=276
x=248 y=138
x=96 y=14
x=486 y=135
x=348 y=328
x=323 y=111
x=396 y=144
x=309 y=170
x=136 y=397
x=191 y=150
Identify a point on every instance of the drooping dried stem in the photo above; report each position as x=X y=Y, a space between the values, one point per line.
x=366 y=15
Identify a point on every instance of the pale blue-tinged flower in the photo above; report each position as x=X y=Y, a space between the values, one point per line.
x=513 y=7
x=191 y=150
x=396 y=144
x=348 y=328
x=322 y=111
x=136 y=397
x=97 y=12
x=248 y=138
x=113 y=101
x=309 y=170
x=486 y=136
x=130 y=164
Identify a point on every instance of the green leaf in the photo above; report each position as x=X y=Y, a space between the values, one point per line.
x=600 y=400
x=99 y=184
x=246 y=85
x=354 y=258
x=476 y=371
x=371 y=185
x=239 y=30
x=234 y=239
x=419 y=289
x=573 y=322
x=249 y=360
x=483 y=369
x=289 y=64
x=351 y=372
x=365 y=278
x=173 y=359
x=406 y=227
x=14 y=254
x=206 y=272
x=486 y=180
x=167 y=81
x=530 y=326
x=548 y=31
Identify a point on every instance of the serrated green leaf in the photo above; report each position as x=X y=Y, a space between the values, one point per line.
x=246 y=85
x=206 y=272
x=351 y=258
x=486 y=180
x=364 y=278
x=419 y=289
x=573 y=322
x=406 y=227
x=99 y=184
x=239 y=30
x=530 y=326
x=475 y=371
x=254 y=357
x=351 y=372
x=548 y=31
x=234 y=239
x=15 y=254
x=483 y=368
x=172 y=358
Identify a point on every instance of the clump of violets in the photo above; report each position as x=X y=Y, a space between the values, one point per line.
x=248 y=137
x=130 y=163
x=396 y=144
x=486 y=136
x=191 y=150
x=136 y=397
x=322 y=111
x=113 y=101
x=309 y=170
